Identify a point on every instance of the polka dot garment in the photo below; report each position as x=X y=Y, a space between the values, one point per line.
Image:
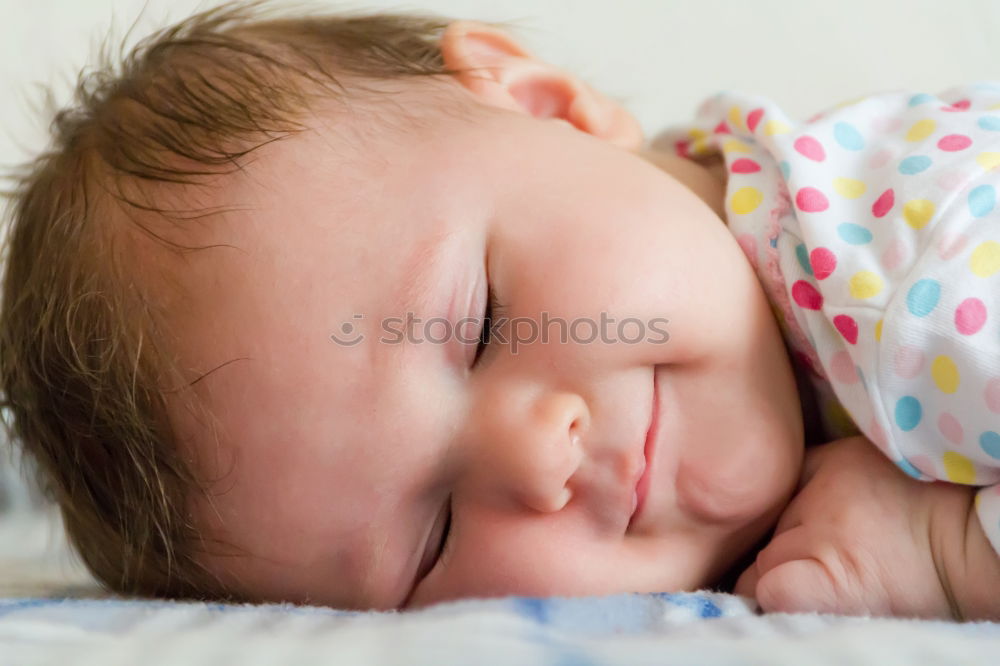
x=874 y=228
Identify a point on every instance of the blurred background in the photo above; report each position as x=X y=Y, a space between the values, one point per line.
x=660 y=58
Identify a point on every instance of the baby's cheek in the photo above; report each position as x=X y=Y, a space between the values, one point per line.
x=718 y=491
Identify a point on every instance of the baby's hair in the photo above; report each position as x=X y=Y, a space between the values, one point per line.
x=86 y=367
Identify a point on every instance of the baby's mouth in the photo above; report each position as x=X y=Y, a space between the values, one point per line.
x=642 y=485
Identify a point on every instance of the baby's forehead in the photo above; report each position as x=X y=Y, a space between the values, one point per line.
x=303 y=215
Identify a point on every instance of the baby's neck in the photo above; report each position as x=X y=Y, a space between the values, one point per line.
x=707 y=180
x=811 y=422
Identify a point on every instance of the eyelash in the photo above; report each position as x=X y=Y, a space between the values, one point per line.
x=494 y=309
x=443 y=549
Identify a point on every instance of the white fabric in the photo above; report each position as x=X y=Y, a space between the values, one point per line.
x=874 y=229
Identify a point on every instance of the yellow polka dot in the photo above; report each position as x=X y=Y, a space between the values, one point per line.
x=945 y=374
x=696 y=133
x=865 y=284
x=745 y=200
x=988 y=160
x=918 y=212
x=849 y=102
x=699 y=146
x=736 y=117
x=985 y=259
x=736 y=146
x=994 y=106
x=958 y=468
x=772 y=127
x=849 y=188
x=839 y=418
x=878 y=330
x=920 y=130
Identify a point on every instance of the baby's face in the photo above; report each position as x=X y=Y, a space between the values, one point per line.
x=343 y=466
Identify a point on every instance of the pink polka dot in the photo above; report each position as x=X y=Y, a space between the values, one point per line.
x=810 y=147
x=992 y=395
x=923 y=463
x=806 y=295
x=682 y=148
x=954 y=142
x=970 y=315
x=745 y=165
x=753 y=118
x=811 y=200
x=894 y=254
x=950 y=428
x=748 y=243
x=823 y=261
x=951 y=244
x=884 y=203
x=908 y=361
x=842 y=368
x=961 y=105
x=951 y=180
x=721 y=128
x=847 y=327
x=876 y=433
x=887 y=124
x=880 y=159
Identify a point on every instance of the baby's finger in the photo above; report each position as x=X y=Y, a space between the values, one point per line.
x=798 y=586
x=794 y=543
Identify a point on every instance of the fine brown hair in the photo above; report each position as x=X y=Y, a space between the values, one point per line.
x=86 y=366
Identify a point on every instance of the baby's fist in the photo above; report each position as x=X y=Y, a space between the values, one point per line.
x=854 y=540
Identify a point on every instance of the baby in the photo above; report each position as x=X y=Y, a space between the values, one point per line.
x=376 y=311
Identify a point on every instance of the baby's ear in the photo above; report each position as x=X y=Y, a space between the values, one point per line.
x=499 y=71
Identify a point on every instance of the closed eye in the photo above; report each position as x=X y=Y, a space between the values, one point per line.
x=492 y=313
x=428 y=564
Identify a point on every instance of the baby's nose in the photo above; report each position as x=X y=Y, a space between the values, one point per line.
x=534 y=452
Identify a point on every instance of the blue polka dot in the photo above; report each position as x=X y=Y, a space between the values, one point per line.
x=982 y=200
x=848 y=137
x=908 y=467
x=990 y=442
x=908 y=412
x=991 y=123
x=855 y=234
x=920 y=99
x=914 y=164
x=532 y=607
x=785 y=169
x=861 y=375
x=803 y=256
x=692 y=600
x=923 y=297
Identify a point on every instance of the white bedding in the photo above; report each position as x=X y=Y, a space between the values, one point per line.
x=627 y=629
x=53 y=613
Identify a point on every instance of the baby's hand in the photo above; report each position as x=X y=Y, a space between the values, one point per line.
x=855 y=540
